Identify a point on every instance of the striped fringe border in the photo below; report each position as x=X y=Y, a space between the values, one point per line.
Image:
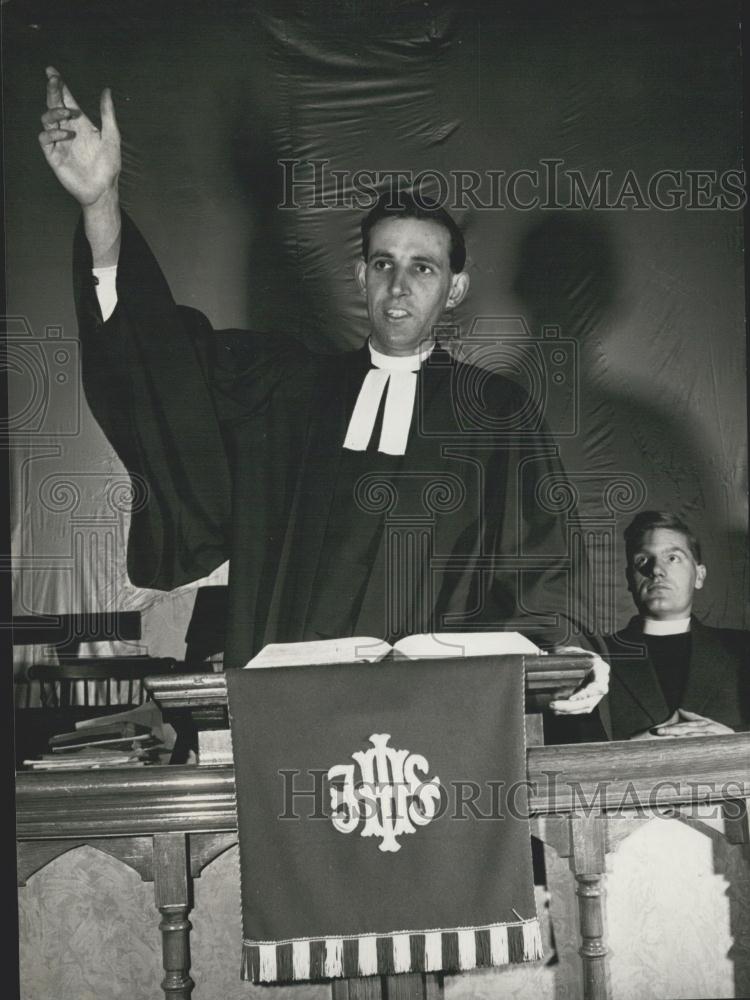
x=370 y=955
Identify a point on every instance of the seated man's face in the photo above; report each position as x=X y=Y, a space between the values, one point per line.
x=663 y=575
x=408 y=283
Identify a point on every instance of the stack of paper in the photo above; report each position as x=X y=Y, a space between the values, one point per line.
x=114 y=741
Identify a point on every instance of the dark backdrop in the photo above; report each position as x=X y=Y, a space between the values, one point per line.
x=649 y=301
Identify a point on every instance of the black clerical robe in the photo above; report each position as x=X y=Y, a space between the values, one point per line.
x=233 y=441
x=715 y=681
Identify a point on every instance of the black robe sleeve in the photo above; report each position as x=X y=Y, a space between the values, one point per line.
x=552 y=588
x=540 y=574
x=164 y=388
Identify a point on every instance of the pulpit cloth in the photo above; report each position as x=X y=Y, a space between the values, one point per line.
x=382 y=814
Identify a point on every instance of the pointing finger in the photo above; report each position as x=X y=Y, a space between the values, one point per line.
x=54 y=88
x=70 y=101
x=107 y=112
x=58 y=94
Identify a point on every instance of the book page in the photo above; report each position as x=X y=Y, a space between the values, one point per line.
x=148 y=714
x=352 y=649
x=414 y=647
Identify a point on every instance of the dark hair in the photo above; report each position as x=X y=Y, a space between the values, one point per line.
x=647 y=520
x=402 y=205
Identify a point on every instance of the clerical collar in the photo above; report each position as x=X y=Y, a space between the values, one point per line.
x=398 y=374
x=408 y=363
x=675 y=626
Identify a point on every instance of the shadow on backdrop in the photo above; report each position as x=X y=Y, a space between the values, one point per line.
x=569 y=275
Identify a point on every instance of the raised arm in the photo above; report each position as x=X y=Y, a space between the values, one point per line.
x=146 y=366
x=86 y=161
x=170 y=394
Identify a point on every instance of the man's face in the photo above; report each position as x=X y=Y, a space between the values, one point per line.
x=408 y=283
x=663 y=575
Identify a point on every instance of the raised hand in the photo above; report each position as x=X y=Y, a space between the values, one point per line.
x=84 y=159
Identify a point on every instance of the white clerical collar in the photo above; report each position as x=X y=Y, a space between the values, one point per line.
x=399 y=375
x=675 y=626
x=409 y=363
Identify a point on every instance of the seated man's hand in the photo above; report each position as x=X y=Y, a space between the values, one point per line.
x=652 y=732
x=590 y=692
x=686 y=723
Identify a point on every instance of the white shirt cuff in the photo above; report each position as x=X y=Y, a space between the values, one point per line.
x=106 y=289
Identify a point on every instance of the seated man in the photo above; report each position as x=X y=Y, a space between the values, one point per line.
x=672 y=675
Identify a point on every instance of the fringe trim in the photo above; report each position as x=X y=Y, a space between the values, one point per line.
x=334 y=957
x=402 y=953
x=300 y=960
x=499 y=952
x=533 y=949
x=448 y=950
x=433 y=952
x=368 y=956
x=467 y=950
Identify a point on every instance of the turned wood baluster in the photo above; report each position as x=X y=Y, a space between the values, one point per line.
x=587 y=839
x=593 y=951
x=172 y=892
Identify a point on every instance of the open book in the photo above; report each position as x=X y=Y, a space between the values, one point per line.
x=365 y=649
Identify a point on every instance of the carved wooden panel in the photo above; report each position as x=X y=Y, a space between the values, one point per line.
x=669 y=925
x=88 y=930
x=189 y=815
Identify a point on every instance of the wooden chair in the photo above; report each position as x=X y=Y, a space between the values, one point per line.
x=52 y=698
x=117 y=681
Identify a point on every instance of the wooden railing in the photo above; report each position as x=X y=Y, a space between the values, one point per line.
x=546 y=677
x=168 y=823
